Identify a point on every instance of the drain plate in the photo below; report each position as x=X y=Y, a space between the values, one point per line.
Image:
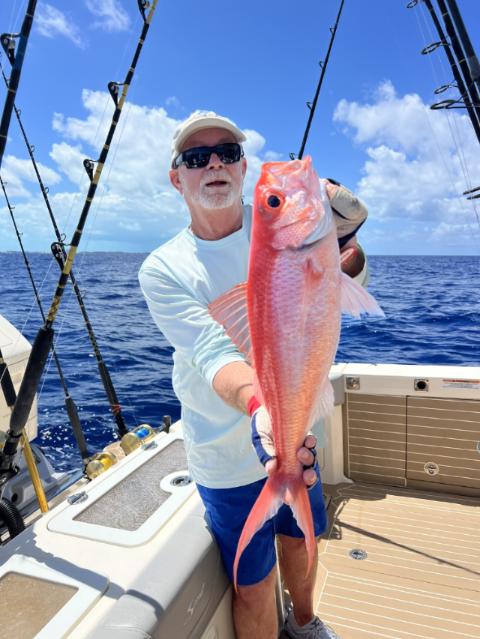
x=358 y=554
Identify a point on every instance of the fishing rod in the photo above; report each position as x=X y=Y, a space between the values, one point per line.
x=323 y=64
x=455 y=70
x=10 y=398
x=472 y=97
x=69 y=403
x=43 y=340
x=471 y=57
x=16 y=59
x=60 y=255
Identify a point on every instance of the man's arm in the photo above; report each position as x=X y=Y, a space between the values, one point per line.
x=187 y=324
x=234 y=384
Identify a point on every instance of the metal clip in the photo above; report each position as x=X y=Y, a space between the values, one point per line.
x=150 y=445
x=77 y=498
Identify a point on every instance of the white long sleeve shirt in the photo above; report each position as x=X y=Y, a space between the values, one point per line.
x=179 y=280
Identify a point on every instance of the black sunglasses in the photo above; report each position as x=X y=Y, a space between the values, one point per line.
x=197 y=158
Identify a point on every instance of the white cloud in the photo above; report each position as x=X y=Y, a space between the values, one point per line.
x=173 y=102
x=136 y=207
x=51 y=22
x=416 y=159
x=16 y=171
x=112 y=16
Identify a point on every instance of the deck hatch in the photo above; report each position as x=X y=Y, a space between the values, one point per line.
x=375 y=438
x=443 y=434
x=129 y=503
x=133 y=500
x=42 y=598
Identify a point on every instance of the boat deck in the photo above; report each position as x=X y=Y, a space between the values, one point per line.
x=421 y=575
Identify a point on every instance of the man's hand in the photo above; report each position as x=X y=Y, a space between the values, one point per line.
x=262 y=439
x=349 y=212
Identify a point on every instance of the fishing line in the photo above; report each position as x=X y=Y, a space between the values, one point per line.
x=17 y=8
x=70 y=406
x=439 y=62
x=468 y=96
x=41 y=346
x=120 y=65
x=93 y=144
x=111 y=395
x=97 y=209
x=451 y=121
x=126 y=400
x=60 y=256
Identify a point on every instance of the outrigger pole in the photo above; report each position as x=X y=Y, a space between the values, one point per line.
x=323 y=64
x=69 y=403
x=43 y=340
x=60 y=255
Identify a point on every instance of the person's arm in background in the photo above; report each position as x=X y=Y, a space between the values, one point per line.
x=349 y=213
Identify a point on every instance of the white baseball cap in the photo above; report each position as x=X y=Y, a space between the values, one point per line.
x=199 y=120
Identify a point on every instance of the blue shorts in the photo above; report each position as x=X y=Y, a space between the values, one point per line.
x=227 y=510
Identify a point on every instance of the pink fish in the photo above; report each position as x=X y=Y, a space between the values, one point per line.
x=293 y=298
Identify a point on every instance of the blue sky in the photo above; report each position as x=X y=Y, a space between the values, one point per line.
x=258 y=64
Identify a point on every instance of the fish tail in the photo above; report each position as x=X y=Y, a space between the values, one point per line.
x=267 y=504
x=296 y=496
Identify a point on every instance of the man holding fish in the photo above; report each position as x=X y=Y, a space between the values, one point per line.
x=251 y=303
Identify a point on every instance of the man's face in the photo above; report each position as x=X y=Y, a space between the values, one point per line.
x=215 y=186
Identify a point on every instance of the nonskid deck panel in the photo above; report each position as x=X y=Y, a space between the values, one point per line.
x=421 y=575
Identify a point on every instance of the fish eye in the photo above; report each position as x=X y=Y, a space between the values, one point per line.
x=274 y=201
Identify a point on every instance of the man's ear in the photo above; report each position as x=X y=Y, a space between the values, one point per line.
x=175 y=180
x=244 y=167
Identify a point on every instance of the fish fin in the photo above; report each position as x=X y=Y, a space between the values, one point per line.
x=355 y=300
x=296 y=496
x=324 y=403
x=230 y=310
x=267 y=504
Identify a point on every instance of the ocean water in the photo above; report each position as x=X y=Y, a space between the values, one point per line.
x=432 y=317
